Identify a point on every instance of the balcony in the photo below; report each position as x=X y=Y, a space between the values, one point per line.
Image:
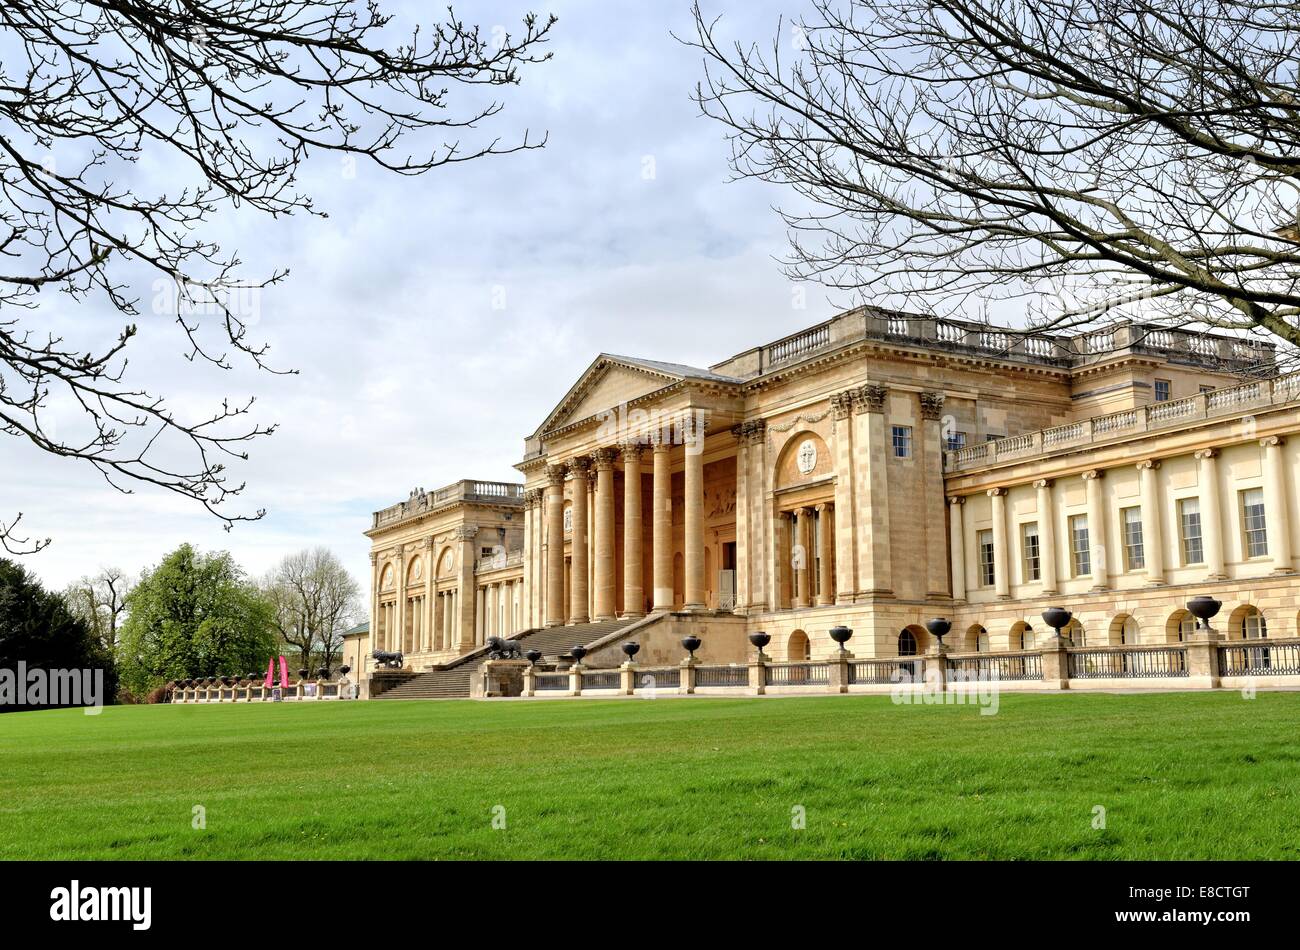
x=463 y=492
x=1216 y=404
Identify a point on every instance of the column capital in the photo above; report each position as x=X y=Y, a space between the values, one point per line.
x=466 y=532
x=996 y=492
x=1093 y=473
x=1151 y=464
x=555 y=476
x=869 y=398
x=578 y=466
x=1272 y=441
x=1043 y=483
x=756 y=431
x=533 y=497
x=842 y=404
x=603 y=459
x=660 y=441
x=631 y=451
x=1206 y=453
x=823 y=506
x=931 y=406
x=956 y=499
x=374 y=557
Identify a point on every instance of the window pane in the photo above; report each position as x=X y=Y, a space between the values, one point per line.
x=1162 y=390
x=1033 y=557
x=988 y=574
x=1079 y=545
x=1134 y=552
x=1252 y=509
x=1189 y=527
x=902 y=441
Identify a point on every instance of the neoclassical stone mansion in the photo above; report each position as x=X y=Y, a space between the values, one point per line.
x=872 y=471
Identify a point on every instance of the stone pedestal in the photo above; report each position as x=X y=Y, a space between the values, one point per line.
x=1203 y=658
x=838 y=671
x=1055 y=662
x=758 y=674
x=934 y=665
x=627 y=678
x=575 y=679
x=501 y=678
x=686 y=685
x=530 y=681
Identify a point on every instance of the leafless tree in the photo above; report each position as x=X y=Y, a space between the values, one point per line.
x=315 y=601
x=1077 y=161
x=231 y=97
x=100 y=600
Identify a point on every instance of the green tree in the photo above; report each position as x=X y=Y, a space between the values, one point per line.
x=193 y=615
x=37 y=628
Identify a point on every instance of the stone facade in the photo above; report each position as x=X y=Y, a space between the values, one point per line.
x=874 y=471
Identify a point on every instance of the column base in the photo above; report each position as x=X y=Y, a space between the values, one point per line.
x=631 y=616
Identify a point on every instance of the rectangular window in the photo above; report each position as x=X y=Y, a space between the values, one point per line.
x=1029 y=544
x=902 y=442
x=956 y=440
x=1189 y=531
x=1252 y=520
x=988 y=570
x=1079 y=545
x=1163 y=390
x=1135 y=555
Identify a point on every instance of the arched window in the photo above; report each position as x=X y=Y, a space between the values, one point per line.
x=1253 y=625
x=1074 y=630
x=798 y=649
x=906 y=643
x=1124 y=630
x=982 y=641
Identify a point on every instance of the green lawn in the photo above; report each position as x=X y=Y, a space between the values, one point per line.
x=1192 y=775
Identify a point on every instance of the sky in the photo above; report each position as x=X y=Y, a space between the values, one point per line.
x=434 y=321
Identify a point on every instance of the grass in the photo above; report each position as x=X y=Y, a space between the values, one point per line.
x=1189 y=775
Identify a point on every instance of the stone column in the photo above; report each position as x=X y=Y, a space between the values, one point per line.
x=825 y=552
x=1153 y=535
x=633 y=572
x=1211 y=513
x=742 y=519
x=480 y=615
x=464 y=617
x=401 y=599
x=555 y=547
x=931 y=457
x=1275 y=505
x=661 y=538
x=578 y=544
x=783 y=548
x=1046 y=536
x=529 y=529
x=1098 y=554
x=694 y=541
x=957 y=546
x=606 y=560
x=845 y=510
x=1001 y=550
x=374 y=606
x=760 y=562
x=871 y=442
x=801 y=556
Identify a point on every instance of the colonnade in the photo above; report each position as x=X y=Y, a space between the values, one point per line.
x=1152 y=506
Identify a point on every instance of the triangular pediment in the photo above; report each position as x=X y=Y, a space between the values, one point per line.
x=606 y=384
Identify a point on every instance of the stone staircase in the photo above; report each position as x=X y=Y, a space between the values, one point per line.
x=453 y=680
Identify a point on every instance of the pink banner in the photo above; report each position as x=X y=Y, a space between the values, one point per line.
x=270 y=667
x=284 y=671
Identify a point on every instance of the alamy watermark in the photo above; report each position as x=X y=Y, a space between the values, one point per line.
x=35 y=687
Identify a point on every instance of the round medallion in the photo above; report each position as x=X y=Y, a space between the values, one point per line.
x=807 y=457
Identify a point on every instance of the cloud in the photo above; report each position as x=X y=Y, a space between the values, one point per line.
x=434 y=321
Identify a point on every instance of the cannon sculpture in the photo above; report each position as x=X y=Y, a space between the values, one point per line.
x=393 y=661
x=499 y=648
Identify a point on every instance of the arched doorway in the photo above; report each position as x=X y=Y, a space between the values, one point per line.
x=1021 y=636
x=798 y=649
x=1124 y=631
x=1179 y=627
x=977 y=639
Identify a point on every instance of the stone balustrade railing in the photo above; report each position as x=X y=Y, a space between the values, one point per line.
x=496 y=562
x=466 y=490
x=1035 y=346
x=1200 y=663
x=252 y=692
x=1217 y=403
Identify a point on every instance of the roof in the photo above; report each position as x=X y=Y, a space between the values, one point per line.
x=358 y=630
x=673 y=369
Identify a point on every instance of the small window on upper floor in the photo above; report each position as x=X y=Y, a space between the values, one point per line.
x=956 y=440
x=902 y=441
x=1164 y=390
